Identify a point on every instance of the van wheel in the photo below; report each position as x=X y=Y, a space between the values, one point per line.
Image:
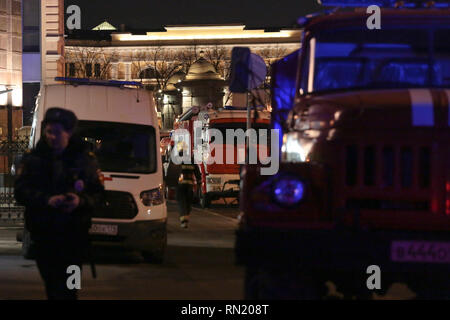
x=155 y=256
x=156 y=253
x=275 y=284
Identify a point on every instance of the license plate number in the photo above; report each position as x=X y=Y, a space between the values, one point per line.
x=420 y=251
x=108 y=229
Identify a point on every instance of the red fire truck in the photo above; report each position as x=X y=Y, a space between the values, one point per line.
x=364 y=178
x=219 y=178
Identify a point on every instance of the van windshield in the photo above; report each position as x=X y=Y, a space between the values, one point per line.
x=121 y=147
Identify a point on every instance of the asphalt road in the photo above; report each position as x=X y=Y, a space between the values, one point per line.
x=199 y=264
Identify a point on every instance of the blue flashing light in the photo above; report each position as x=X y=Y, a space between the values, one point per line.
x=441 y=5
x=302 y=21
x=383 y=3
x=288 y=191
x=86 y=81
x=356 y=3
x=284 y=78
x=234 y=108
x=243 y=108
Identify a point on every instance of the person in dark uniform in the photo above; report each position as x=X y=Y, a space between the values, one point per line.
x=59 y=186
x=185 y=192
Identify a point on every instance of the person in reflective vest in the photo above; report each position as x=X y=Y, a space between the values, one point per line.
x=185 y=193
x=184 y=189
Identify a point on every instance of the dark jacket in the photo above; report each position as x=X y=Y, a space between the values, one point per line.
x=42 y=175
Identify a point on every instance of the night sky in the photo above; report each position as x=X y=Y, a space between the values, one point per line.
x=148 y=15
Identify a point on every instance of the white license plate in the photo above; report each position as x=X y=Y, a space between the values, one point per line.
x=108 y=229
x=420 y=251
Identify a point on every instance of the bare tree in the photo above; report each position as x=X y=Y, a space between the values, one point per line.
x=162 y=62
x=87 y=58
x=188 y=57
x=270 y=55
x=219 y=57
x=138 y=63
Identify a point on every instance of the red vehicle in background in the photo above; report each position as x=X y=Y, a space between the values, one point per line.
x=364 y=178
x=220 y=179
x=165 y=145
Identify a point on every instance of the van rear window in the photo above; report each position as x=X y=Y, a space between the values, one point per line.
x=121 y=147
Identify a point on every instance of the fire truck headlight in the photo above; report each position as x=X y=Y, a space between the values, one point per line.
x=292 y=150
x=288 y=191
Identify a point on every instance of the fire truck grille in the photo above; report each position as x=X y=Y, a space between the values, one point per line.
x=118 y=205
x=404 y=167
x=380 y=204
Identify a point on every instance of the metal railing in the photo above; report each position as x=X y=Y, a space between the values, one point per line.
x=11 y=153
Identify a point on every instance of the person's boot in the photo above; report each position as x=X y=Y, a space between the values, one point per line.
x=184 y=222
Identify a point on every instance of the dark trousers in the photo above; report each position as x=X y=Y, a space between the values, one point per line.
x=53 y=270
x=184 y=198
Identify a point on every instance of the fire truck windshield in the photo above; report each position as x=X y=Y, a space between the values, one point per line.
x=262 y=132
x=354 y=58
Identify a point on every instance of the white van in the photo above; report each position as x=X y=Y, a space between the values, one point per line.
x=121 y=125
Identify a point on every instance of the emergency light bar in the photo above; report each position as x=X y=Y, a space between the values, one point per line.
x=112 y=83
x=385 y=3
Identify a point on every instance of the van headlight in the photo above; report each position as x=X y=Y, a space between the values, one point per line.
x=288 y=191
x=152 y=197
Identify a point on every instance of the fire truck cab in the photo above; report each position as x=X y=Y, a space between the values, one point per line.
x=219 y=177
x=364 y=178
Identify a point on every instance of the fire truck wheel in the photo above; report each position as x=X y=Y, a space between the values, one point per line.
x=156 y=256
x=430 y=287
x=262 y=283
x=195 y=195
x=205 y=202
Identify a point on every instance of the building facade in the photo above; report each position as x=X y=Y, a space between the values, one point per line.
x=11 y=46
x=10 y=65
x=184 y=65
x=10 y=78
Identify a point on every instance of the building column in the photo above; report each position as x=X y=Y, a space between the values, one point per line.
x=114 y=70
x=127 y=71
x=187 y=100
x=226 y=92
x=52 y=40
